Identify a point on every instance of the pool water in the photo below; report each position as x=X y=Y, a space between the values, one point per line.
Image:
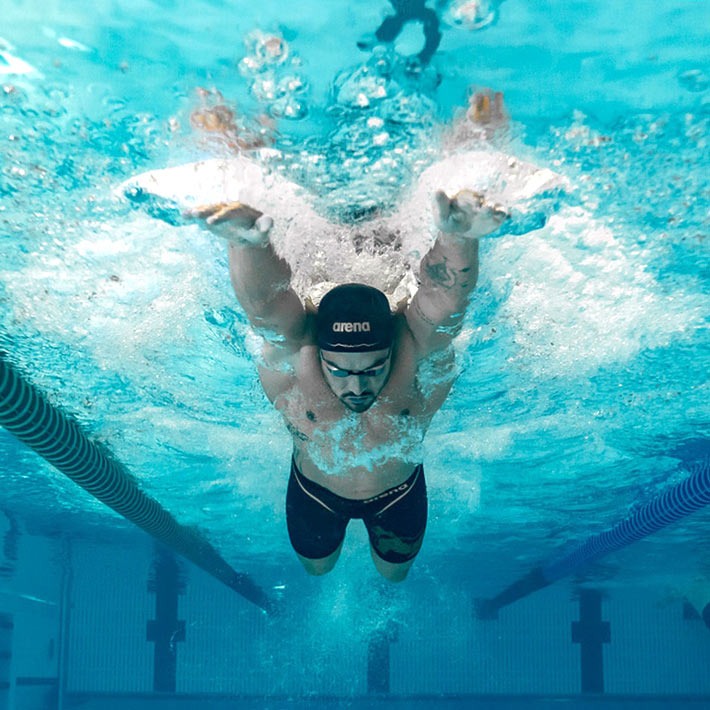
x=583 y=388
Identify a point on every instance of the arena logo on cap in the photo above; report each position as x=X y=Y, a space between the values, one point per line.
x=363 y=327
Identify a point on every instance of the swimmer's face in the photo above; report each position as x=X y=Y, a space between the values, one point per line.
x=356 y=378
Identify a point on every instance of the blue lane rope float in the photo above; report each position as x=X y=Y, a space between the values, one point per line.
x=667 y=507
x=26 y=413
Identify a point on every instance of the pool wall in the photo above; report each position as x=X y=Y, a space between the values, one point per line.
x=92 y=618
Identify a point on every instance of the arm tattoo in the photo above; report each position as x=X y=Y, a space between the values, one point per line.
x=441 y=274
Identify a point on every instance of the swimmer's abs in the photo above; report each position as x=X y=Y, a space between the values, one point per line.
x=358 y=483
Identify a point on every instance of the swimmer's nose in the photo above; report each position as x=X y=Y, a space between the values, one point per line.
x=357 y=384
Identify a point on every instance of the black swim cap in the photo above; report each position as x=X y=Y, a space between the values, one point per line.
x=354 y=318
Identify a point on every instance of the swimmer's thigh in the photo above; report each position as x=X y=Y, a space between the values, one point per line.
x=397 y=530
x=315 y=531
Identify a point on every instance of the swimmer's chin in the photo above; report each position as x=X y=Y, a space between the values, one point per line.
x=358 y=407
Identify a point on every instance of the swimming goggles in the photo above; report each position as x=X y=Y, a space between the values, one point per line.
x=338 y=372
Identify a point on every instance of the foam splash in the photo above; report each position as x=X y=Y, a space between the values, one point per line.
x=12 y=65
x=582 y=301
x=383 y=251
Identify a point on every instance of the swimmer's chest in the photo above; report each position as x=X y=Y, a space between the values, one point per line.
x=316 y=417
x=355 y=455
x=311 y=420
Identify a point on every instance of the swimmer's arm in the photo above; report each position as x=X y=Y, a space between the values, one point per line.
x=260 y=278
x=449 y=271
x=448 y=275
x=262 y=283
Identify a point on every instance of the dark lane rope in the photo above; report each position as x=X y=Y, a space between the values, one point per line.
x=674 y=503
x=26 y=413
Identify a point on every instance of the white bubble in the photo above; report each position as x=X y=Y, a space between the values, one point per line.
x=471 y=14
x=73 y=44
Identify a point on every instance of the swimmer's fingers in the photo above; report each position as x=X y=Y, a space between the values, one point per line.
x=468 y=214
x=235 y=221
x=442 y=204
x=235 y=212
x=469 y=200
x=465 y=206
x=450 y=217
x=239 y=213
x=488 y=220
x=264 y=224
x=454 y=214
x=204 y=211
x=500 y=213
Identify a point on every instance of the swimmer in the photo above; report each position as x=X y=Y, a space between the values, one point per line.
x=348 y=378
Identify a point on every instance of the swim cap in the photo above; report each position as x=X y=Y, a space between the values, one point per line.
x=354 y=318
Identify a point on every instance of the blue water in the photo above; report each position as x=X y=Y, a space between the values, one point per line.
x=583 y=388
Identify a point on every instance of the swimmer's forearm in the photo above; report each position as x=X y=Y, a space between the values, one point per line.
x=451 y=266
x=261 y=279
x=448 y=275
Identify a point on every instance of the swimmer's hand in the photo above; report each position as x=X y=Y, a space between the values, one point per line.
x=234 y=221
x=467 y=214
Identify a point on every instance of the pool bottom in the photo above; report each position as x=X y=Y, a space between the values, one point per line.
x=434 y=702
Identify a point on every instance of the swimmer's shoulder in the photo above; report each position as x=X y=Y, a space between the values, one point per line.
x=403 y=338
x=408 y=348
x=402 y=378
x=282 y=363
x=427 y=375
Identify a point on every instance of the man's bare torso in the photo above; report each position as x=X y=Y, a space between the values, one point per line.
x=355 y=455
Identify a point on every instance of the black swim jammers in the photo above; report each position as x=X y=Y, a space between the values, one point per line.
x=395 y=519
